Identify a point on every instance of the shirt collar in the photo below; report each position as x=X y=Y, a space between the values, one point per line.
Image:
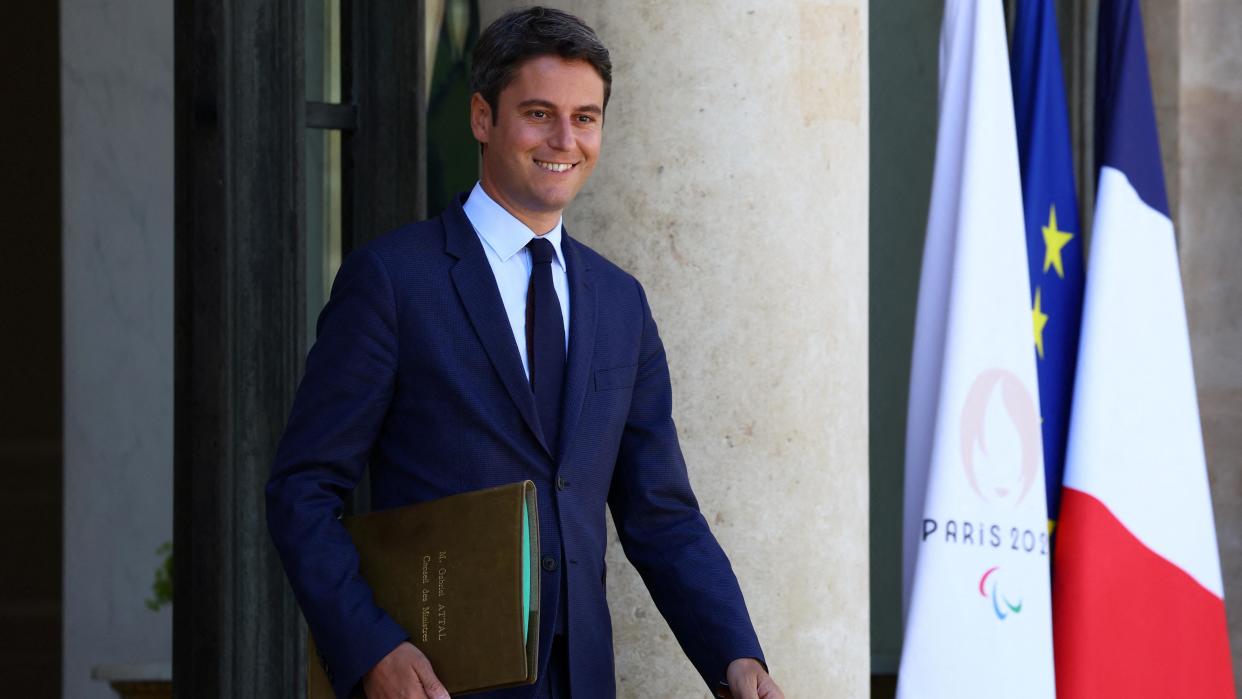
x=502 y=231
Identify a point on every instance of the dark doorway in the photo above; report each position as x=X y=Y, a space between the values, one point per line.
x=300 y=135
x=31 y=464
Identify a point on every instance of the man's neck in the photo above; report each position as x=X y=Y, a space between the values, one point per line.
x=540 y=223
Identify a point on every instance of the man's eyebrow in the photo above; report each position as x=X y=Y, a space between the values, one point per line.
x=589 y=108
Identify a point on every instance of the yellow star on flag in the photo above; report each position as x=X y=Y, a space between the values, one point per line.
x=1054 y=241
x=1040 y=319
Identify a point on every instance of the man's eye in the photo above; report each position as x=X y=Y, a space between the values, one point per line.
x=538 y=114
x=585 y=118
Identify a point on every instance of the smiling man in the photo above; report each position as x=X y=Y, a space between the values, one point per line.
x=487 y=346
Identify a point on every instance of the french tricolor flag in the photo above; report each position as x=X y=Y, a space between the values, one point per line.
x=1138 y=608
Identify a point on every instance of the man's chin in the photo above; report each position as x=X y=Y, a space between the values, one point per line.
x=556 y=200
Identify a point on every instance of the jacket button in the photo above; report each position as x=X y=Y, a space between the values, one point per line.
x=561 y=483
x=549 y=563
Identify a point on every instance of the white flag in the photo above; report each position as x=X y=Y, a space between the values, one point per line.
x=976 y=587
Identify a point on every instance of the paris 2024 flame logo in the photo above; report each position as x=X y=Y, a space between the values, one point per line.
x=1000 y=440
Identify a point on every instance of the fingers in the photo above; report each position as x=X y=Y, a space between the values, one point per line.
x=744 y=676
x=769 y=690
x=405 y=673
x=427 y=680
x=760 y=686
x=747 y=679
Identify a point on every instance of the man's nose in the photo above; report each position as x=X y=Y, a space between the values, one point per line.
x=562 y=136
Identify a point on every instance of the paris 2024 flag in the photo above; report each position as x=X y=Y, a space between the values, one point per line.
x=1139 y=609
x=978 y=618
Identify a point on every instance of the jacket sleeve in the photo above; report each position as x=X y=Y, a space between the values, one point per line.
x=663 y=533
x=337 y=412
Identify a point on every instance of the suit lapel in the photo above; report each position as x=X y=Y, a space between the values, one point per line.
x=476 y=286
x=581 y=339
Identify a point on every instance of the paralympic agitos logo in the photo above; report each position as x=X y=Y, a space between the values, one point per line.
x=989 y=586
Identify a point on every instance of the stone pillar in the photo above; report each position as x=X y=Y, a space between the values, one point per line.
x=733 y=184
x=1210 y=176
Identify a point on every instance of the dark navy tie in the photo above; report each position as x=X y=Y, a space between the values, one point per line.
x=545 y=340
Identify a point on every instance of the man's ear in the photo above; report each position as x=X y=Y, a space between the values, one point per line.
x=480 y=118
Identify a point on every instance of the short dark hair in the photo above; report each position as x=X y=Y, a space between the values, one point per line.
x=523 y=34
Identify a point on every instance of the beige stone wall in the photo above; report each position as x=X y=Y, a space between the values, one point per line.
x=734 y=185
x=1209 y=176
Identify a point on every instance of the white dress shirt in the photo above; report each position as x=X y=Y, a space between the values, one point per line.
x=504 y=241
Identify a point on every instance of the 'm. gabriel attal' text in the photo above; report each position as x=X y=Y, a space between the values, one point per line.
x=440 y=608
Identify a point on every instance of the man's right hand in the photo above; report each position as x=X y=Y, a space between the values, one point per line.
x=405 y=673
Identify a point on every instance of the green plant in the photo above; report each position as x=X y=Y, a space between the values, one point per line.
x=162 y=588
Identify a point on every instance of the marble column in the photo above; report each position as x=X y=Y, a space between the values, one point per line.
x=733 y=184
x=1209 y=174
x=117 y=129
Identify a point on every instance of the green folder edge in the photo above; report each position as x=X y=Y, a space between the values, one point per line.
x=525 y=570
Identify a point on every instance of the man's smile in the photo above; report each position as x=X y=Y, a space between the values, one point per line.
x=555 y=167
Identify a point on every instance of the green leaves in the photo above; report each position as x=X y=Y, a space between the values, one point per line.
x=162 y=587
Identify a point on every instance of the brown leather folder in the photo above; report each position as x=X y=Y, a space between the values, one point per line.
x=456 y=575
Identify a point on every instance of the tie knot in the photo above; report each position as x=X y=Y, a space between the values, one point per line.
x=541 y=250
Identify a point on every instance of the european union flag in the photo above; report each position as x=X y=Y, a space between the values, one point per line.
x=1053 y=235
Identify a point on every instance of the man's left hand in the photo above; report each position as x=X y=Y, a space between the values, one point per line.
x=748 y=680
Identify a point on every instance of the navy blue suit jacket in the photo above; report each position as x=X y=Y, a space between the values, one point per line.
x=416 y=374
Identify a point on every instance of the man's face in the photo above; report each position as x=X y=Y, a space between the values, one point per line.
x=545 y=139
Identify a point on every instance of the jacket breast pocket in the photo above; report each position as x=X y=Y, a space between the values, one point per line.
x=612 y=379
